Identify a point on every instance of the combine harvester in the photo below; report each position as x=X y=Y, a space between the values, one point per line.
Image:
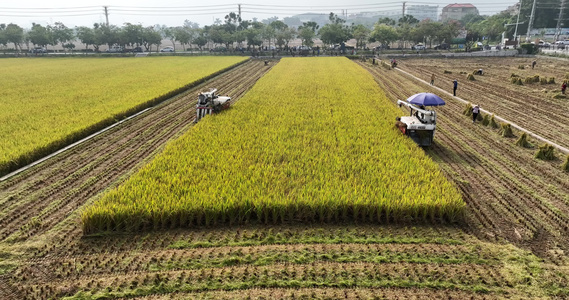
x=421 y=124
x=210 y=103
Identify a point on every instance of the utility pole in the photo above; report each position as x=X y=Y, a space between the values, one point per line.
x=403 y=12
x=106 y=14
x=517 y=22
x=558 y=28
x=530 y=20
x=239 y=9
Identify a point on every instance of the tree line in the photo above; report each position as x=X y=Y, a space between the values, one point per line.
x=234 y=33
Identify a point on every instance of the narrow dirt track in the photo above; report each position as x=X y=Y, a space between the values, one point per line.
x=510 y=195
x=61 y=185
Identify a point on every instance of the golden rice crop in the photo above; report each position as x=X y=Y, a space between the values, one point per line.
x=312 y=141
x=47 y=102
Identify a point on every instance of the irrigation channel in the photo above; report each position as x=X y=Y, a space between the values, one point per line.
x=511 y=198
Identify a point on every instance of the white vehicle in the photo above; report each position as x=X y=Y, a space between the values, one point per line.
x=210 y=103
x=419 y=47
x=167 y=49
x=420 y=125
x=115 y=49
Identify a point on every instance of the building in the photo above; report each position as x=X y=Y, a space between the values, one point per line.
x=423 y=12
x=458 y=11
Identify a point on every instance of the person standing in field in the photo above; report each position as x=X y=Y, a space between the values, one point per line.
x=433 y=79
x=455 y=86
x=475 y=112
x=533 y=63
x=563 y=87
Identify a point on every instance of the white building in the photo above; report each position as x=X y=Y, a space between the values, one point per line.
x=422 y=12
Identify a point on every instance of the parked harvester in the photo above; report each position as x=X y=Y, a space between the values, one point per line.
x=210 y=103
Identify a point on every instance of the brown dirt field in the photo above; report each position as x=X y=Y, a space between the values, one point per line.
x=531 y=106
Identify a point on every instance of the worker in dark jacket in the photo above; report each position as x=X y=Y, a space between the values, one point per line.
x=455 y=86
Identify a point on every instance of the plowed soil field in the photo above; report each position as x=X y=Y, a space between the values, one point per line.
x=513 y=243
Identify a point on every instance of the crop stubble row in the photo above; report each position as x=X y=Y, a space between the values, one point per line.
x=542 y=115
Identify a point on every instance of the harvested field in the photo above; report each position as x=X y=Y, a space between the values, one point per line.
x=530 y=105
x=510 y=194
x=512 y=244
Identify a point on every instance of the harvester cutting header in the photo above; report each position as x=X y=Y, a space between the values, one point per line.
x=421 y=124
x=209 y=103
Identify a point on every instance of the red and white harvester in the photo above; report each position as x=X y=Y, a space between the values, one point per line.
x=210 y=103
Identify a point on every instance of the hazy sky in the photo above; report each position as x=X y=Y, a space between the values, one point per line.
x=174 y=12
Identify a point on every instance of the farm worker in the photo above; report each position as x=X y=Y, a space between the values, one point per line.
x=533 y=63
x=433 y=79
x=563 y=87
x=475 y=112
x=455 y=86
x=479 y=72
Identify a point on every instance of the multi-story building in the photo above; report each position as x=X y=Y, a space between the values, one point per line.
x=458 y=11
x=422 y=12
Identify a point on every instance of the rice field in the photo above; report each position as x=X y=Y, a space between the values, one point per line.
x=48 y=103
x=312 y=141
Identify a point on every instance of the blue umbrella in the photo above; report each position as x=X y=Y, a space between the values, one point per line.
x=426 y=99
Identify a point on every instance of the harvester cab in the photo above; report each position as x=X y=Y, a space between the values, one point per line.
x=420 y=125
x=209 y=103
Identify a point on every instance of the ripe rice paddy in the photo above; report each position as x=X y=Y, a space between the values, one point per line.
x=48 y=103
x=312 y=141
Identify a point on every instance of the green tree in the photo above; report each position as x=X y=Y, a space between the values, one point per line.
x=335 y=32
x=151 y=36
x=132 y=34
x=269 y=33
x=100 y=31
x=386 y=21
x=62 y=34
x=384 y=34
x=361 y=34
x=408 y=19
x=3 y=38
x=307 y=33
x=201 y=39
x=253 y=35
x=86 y=35
x=14 y=34
x=39 y=35
x=182 y=35
x=427 y=30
